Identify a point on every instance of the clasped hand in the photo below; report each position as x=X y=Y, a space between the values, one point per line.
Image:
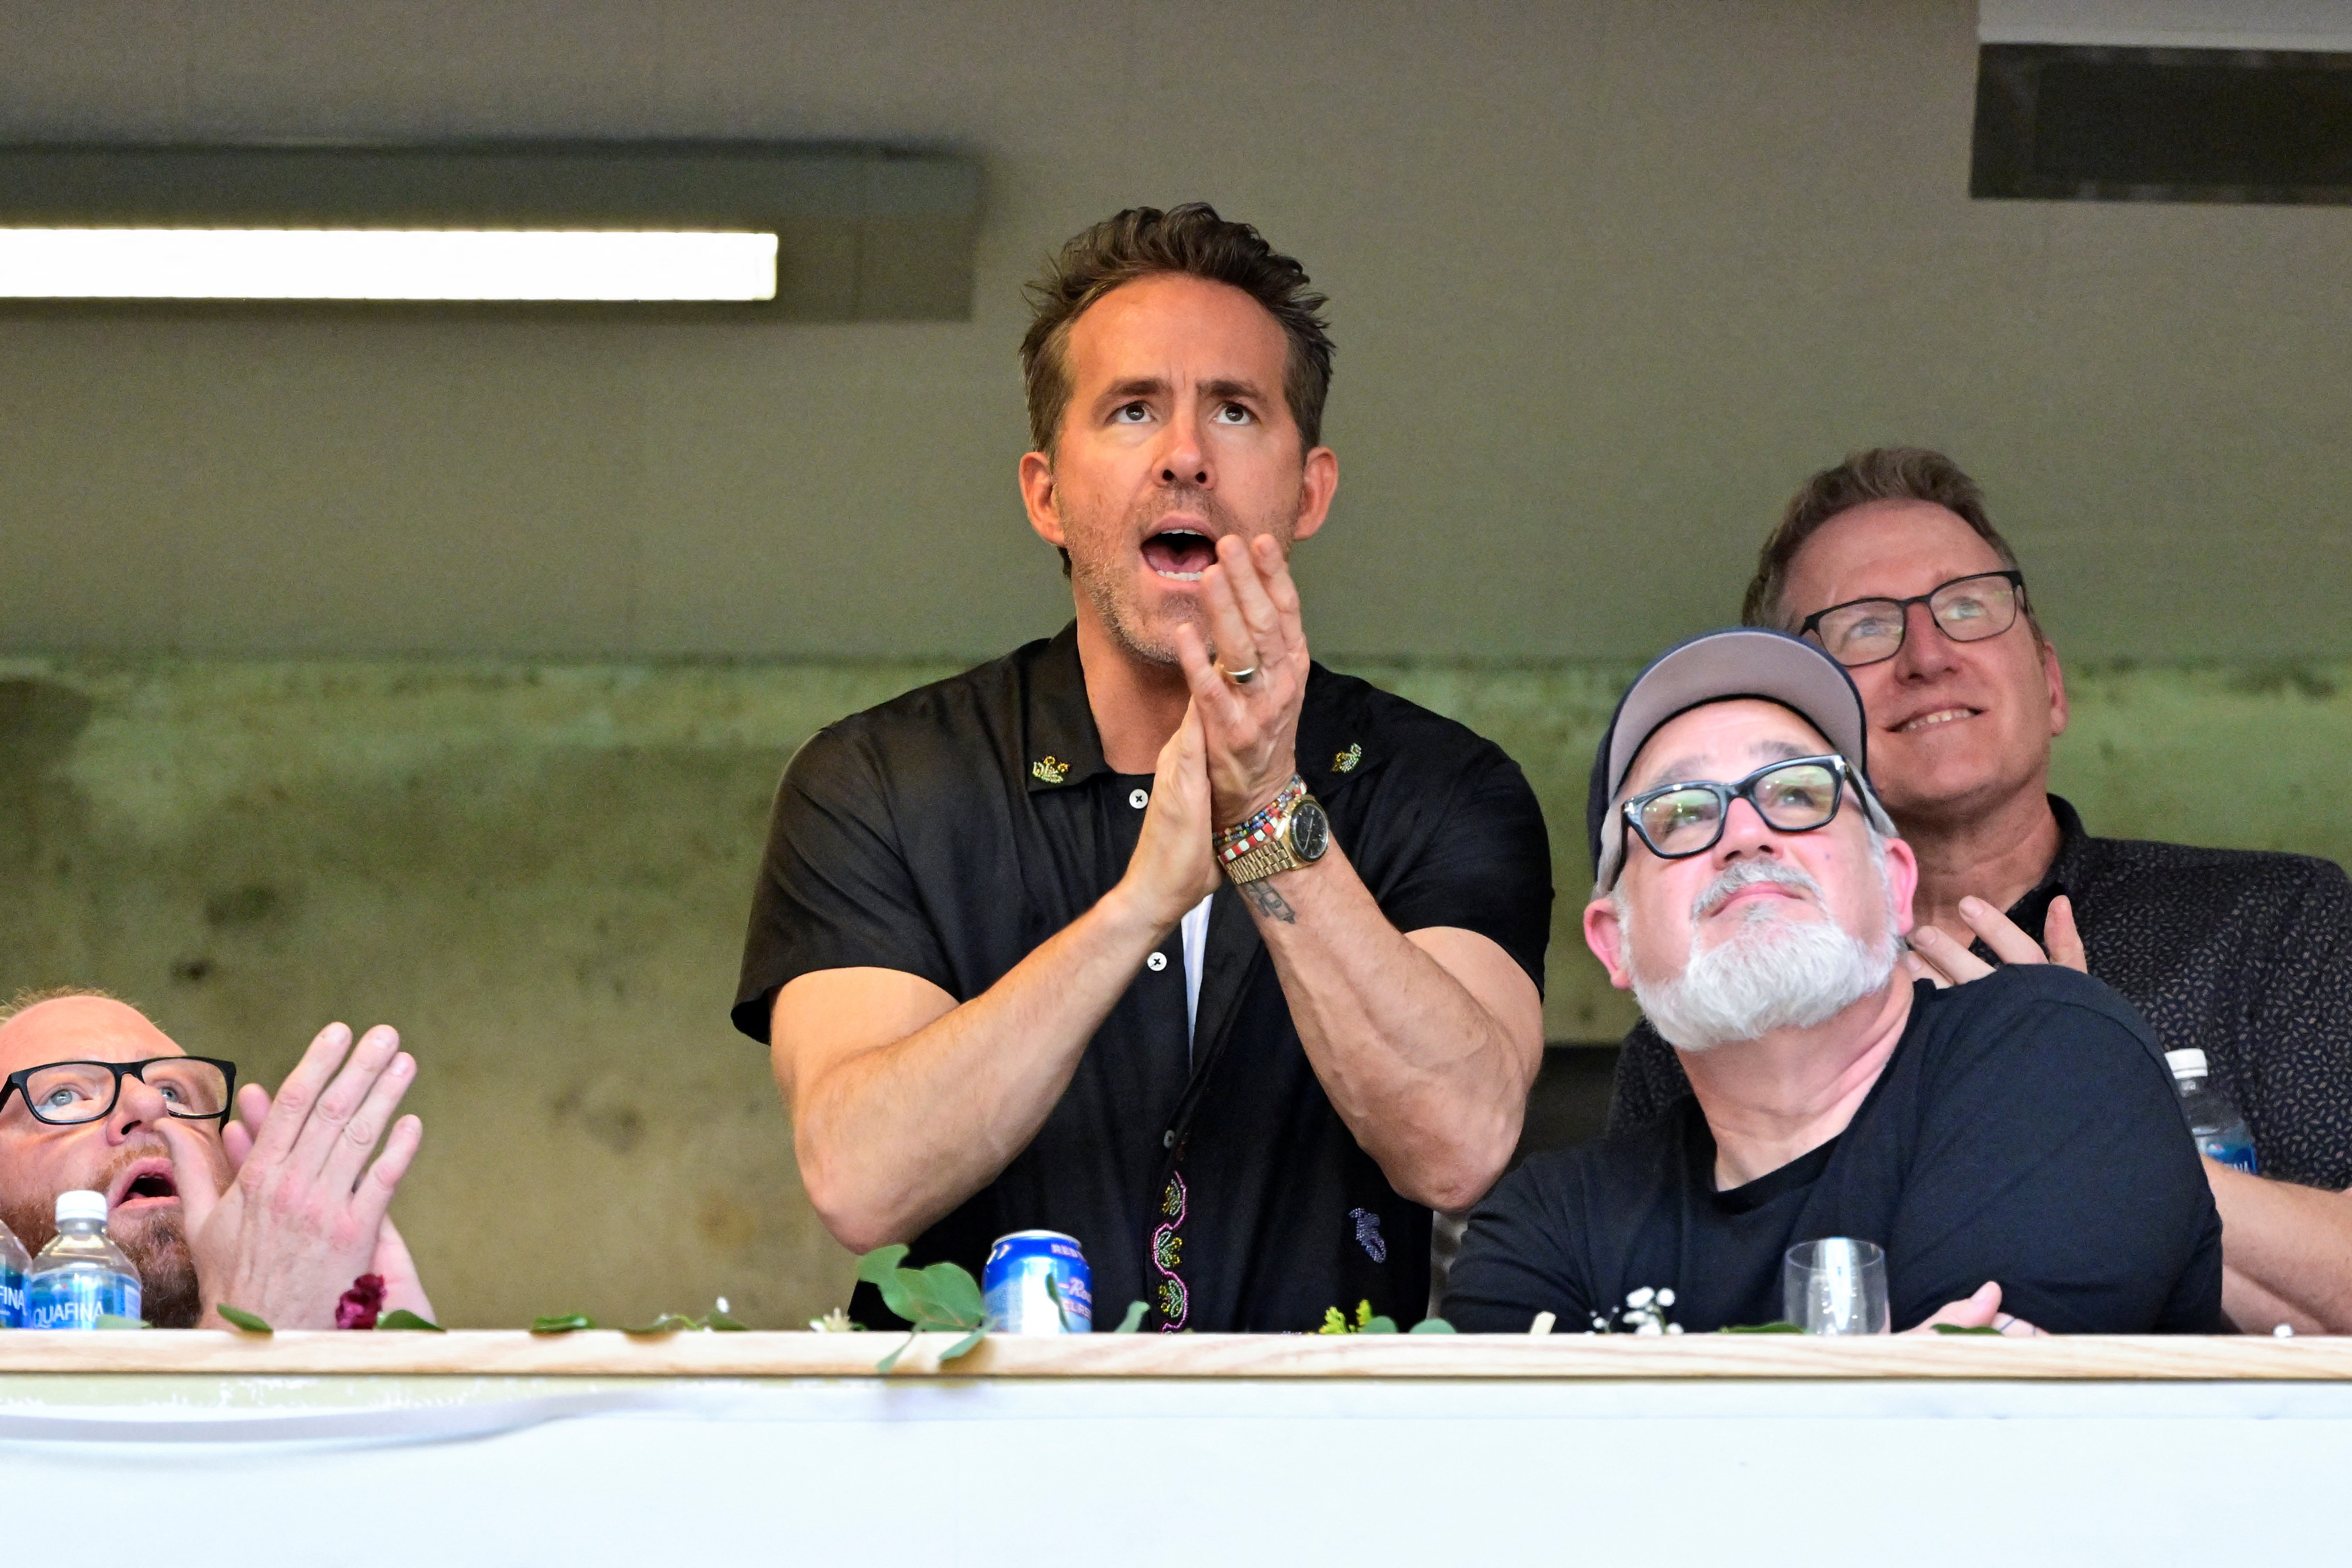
x=1238 y=743
x=305 y=1212
x=1249 y=728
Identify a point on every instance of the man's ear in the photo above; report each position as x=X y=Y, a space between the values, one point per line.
x=1902 y=883
x=1317 y=486
x=1604 y=933
x=1037 y=494
x=2056 y=677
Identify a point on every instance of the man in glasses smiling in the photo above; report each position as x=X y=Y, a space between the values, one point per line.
x=274 y=1206
x=1889 y=562
x=2013 y=1145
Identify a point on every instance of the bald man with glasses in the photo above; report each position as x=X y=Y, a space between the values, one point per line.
x=1889 y=562
x=275 y=1206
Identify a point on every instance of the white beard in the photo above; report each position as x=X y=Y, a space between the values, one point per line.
x=1767 y=974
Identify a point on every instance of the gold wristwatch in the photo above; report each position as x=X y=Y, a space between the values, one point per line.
x=1292 y=832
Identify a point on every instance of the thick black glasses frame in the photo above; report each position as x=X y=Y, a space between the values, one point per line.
x=17 y=1086
x=1725 y=794
x=1813 y=622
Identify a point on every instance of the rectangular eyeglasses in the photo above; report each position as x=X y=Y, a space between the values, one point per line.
x=67 y=1094
x=1966 y=609
x=1679 y=820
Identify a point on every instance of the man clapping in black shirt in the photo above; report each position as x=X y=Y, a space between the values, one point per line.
x=1157 y=933
x=2014 y=1144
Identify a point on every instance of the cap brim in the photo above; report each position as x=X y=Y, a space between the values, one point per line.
x=1724 y=666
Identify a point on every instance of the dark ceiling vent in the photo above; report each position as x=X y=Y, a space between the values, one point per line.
x=2064 y=123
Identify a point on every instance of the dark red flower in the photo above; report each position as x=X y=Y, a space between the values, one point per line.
x=360 y=1303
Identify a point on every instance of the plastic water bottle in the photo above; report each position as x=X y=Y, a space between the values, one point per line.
x=12 y=1264
x=82 y=1275
x=2220 y=1132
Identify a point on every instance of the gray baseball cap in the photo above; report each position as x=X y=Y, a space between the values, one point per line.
x=1721 y=667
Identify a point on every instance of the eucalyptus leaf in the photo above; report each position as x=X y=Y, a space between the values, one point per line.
x=955 y=1293
x=878 y=1264
x=888 y=1362
x=964 y=1343
x=401 y=1318
x=1430 y=1326
x=1760 y=1328
x=243 y=1319
x=880 y=1269
x=1956 y=1329
x=1134 y=1319
x=562 y=1324
x=109 y=1320
x=1376 y=1326
x=667 y=1323
x=724 y=1324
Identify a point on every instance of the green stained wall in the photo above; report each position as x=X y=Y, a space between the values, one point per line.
x=540 y=872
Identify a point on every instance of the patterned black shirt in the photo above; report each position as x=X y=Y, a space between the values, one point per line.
x=2244 y=955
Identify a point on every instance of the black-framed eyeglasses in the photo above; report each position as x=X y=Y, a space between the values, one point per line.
x=1679 y=820
x=66 y=1094
x=1966 y=609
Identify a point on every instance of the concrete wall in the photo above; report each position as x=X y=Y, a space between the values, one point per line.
x=539 y=872
x=1609 y=278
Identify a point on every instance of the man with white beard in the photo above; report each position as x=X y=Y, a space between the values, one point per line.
x=2015 y=1144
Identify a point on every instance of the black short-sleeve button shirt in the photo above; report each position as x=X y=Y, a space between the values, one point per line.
x=950 y=831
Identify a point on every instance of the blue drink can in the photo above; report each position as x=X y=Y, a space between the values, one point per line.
x=1037 y=1282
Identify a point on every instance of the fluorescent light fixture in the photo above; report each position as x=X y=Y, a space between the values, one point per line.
x=454 y=265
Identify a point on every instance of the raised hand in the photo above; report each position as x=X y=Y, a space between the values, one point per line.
x=1172 y=867
x=305 y=1213
x=1250 y=726
x=391 y=1263
x=1941 y=959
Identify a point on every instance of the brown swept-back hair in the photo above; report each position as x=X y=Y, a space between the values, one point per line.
x=1192 y=240
x=1881 y=473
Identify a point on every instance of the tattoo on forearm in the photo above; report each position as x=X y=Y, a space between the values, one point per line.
x=1269 y=903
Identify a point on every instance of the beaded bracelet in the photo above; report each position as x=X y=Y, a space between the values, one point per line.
x=1234 y=842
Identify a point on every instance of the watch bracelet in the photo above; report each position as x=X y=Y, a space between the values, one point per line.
x=1270 y=858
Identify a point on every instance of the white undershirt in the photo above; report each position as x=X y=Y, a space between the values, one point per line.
x=1195 y=928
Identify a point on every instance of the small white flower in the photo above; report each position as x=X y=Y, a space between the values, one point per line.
x=1673 y=1328
x=833 y=1322
x=722 y=1304
x=1666 y=1297
x=2283 y=1332
x=1640 y=1298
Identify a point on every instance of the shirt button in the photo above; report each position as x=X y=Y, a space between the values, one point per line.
x=1139 y=799
x=1156 y=962
x=1168 y=1139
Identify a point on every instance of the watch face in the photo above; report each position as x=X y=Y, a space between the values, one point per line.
x=1310 y=830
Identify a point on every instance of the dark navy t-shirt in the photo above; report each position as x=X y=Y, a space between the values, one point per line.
x=2025 y=1130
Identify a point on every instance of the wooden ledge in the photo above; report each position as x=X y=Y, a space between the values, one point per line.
x=1566 y=1357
